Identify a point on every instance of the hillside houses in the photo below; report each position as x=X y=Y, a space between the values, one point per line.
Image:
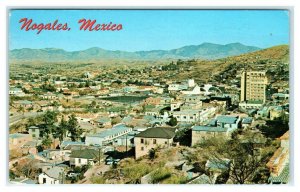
x=128 y=119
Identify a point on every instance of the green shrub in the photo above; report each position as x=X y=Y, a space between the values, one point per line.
x=98 y=180
x=136 y=171
x=176 y=179
x=159 y=175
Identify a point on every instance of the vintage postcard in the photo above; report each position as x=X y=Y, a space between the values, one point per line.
x=149 y=96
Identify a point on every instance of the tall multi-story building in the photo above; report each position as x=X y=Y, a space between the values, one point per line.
x=253 y=86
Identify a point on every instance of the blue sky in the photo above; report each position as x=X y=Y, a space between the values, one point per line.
x=152 y=29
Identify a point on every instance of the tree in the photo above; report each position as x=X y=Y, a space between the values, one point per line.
x=21 y=109
x=183 y=136
x=31 y=122
x=28 y=169
x=48 y=88
x=46 y=142
x=245 y=163
x=116 y=120
x=81 y=85
x=274 y=129
x=172 y=122
x=93 y=103
x=49 y=118
x=151 y=154
x=61 y=130
x=55 y=104
x=74 y=128
x=12 y=174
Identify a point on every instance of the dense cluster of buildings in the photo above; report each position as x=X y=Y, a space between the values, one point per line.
x=138 y=117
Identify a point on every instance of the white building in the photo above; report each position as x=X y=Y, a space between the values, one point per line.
x=16 y=92
x=191 y=83
x=53 y=175
x=195 y=91
x=206 y=114
x=250 y=105
x=107 y=136
x=82 y=157
x=176 y=105
x=190 y=116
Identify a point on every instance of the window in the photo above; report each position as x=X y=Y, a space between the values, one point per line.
x=79 y=160
x=166 y=142
x=154 y=141
x=142 y=148
x=142 y=140
x=33 y=135
x=32 y=130
x=44 y=180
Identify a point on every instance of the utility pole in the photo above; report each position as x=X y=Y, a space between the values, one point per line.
x=99 y=153
x=126 y=145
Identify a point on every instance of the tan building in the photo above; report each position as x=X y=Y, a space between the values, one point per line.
x=153 y=138
x=253 y=86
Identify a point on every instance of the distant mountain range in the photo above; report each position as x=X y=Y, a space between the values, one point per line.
x=202 y=51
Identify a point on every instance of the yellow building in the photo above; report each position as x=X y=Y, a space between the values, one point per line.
x=253 y=86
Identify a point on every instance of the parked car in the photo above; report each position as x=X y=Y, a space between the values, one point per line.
x=110 y=160
x=72 y=174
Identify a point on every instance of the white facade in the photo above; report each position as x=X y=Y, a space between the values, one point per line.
x=45 y=179
x=206 y=88
x=176 y=105
x=186 y=115
x=206 y=114
x=195 y=91
x=191 y=83
x=173 y=87
x=78 y=162
x=107 y=136
x=245 y=105
x=16 y=91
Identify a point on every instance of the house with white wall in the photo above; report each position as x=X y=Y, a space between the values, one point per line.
x=54 y=175
x=82 y=157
